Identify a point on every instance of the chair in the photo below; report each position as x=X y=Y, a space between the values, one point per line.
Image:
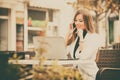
x=108 y=58
x=108 y=74
x=109 y=65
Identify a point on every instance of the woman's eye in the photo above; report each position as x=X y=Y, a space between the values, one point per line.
x=80 y=20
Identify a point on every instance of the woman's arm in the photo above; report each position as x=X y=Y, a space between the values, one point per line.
x=81 y=41
x=69 y=34
x=67 y=37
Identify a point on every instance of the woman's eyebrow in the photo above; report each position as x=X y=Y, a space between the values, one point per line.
x=80 y=19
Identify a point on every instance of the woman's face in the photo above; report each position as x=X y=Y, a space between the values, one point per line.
x=79 y=22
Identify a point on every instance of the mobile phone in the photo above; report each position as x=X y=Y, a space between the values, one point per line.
x=74 y=27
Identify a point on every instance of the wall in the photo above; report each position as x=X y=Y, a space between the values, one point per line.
x=117 y=30
x=66 y=17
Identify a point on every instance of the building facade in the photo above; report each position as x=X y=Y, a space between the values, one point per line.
x=21 y=20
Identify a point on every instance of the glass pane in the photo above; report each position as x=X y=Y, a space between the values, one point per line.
x=3 y=12
x=31 y=34
x=3 y=34
x=19 y=37
x=37 y=15
x=111 y=31
x=36 y=18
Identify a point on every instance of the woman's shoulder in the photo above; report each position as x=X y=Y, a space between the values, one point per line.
x=94 y=36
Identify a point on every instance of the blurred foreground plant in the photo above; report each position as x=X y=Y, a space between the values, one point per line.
x=55 y=72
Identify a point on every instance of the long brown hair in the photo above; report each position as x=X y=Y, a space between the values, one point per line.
x=88 y=20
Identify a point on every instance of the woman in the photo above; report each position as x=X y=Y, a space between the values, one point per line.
x=82 y=42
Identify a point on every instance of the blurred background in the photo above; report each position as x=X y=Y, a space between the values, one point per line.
x=21 y=20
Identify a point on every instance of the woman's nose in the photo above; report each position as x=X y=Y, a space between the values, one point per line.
x=77 y=22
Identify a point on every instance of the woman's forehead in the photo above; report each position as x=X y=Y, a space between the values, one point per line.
x=79 y=16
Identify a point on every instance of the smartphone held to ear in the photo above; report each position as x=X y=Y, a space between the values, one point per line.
x=74 y=27
x=75 y=30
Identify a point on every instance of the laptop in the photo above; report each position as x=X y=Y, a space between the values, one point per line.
x=54 y=47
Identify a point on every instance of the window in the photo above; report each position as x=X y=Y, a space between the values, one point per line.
x=36 y=24
x=3 y=12
x=3 y=29
x=111 y=31
x=3 y=34
x=37 y=15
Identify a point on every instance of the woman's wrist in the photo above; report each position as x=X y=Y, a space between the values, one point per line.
x=81 y=41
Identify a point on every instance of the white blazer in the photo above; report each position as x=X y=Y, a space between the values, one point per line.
x=86 y=63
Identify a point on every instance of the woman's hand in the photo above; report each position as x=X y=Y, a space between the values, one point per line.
x=80 y=34
x=71 y=30
x=81 y=42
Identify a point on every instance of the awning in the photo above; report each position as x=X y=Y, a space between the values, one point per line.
x=7 y=3
x=51 y=4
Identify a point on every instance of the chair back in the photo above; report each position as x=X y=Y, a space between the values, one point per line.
x=108 y=58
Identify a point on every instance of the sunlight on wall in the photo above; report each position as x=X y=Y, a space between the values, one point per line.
x=116 y=31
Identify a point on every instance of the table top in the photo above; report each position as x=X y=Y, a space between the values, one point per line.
x=46 y=62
